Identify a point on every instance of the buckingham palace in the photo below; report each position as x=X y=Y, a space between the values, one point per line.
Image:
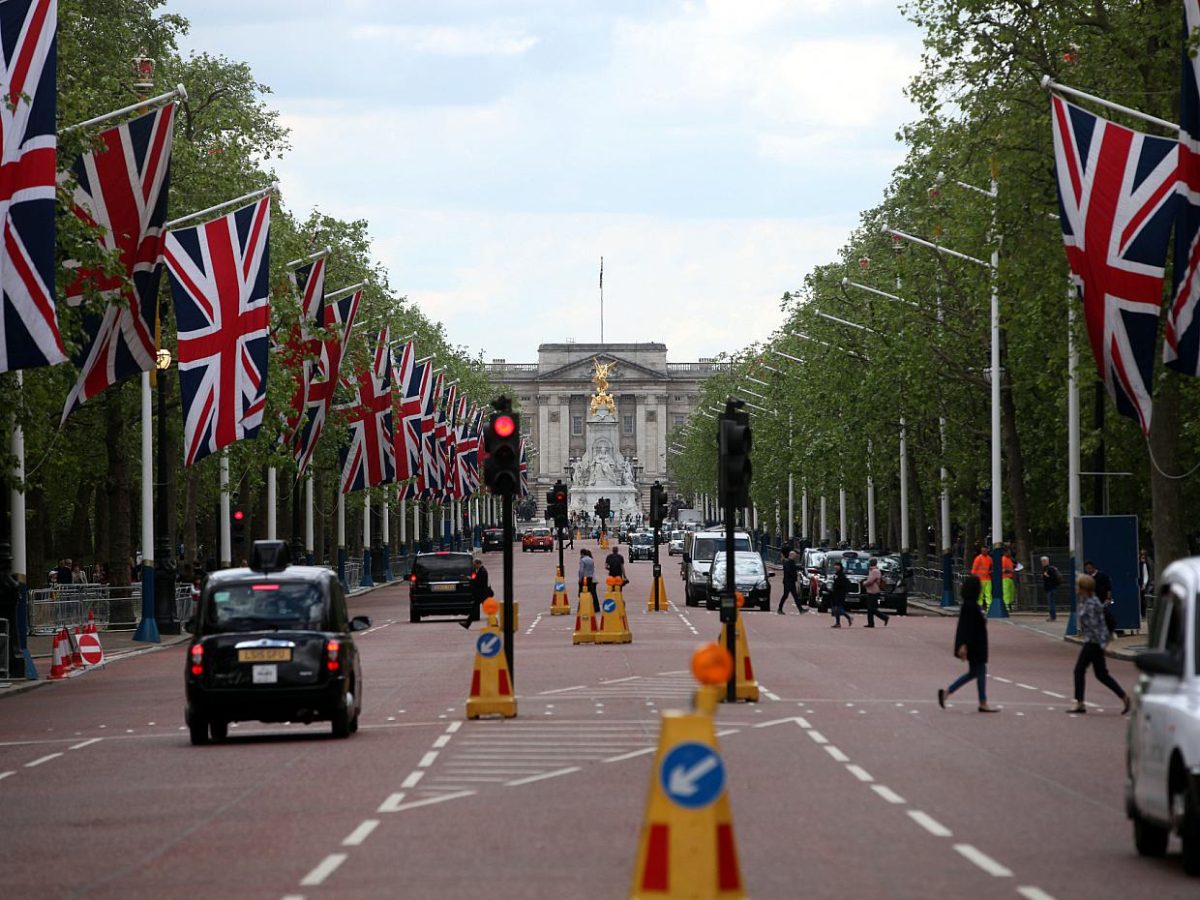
x=652 y=397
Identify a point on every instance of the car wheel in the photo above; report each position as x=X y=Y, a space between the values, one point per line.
x=1150 y=839
x=198 y=729
x=902 y=607
x=1189 y=829
x=689 y=598
x=765 y=606
x=413 y=615
x=343 y=717
x=219 y=729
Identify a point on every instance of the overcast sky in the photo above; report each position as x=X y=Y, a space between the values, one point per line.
x=712 y=152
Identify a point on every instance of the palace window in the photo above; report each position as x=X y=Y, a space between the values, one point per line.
x=680 y=420
x=576 y=425
x=627 y=424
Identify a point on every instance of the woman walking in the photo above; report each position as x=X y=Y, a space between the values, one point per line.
x=1094 y=632
x=970 y=645
x=837 y=596
x=587 y=575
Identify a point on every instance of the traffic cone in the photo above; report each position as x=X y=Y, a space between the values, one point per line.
x=560 y=604
x=659 y=583
x=90 y=628
x=585 y=619
x=76 y=654
x=614 y=624
x=687 y=847
x=491 y=686
x=746 y=687
x=57 y=669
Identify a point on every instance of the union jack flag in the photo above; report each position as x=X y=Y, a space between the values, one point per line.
x=430 y=483
x=123 y=189
x=1181 y=343
x=524 y=471
x=303 y=346
x=417 y=387
x=469 y=452
x=29 y=335
x=218 y=274
x=443 y=432
x=1116 y=192
x=338 y=319
x=369 y=459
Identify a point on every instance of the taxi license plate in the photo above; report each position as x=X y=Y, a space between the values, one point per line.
x=444 y=587
x=265 y=654
x=265 y=674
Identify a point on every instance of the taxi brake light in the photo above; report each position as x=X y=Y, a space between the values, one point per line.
x=198 y=660
x=331 y=655
x=264 y=587
x=472 y=576
x=413 y=577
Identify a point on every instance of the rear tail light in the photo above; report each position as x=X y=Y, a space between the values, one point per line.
x=331 y=655
x=472 y=576
x=198 y=659
x=413 y=578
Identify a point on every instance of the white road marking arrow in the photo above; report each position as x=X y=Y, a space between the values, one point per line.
x=682 y=782
x=799 y=720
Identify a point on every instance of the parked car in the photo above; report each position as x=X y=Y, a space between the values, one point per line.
x=750 y=577
x=537 y=539
x=493 y=539
x=641 y=546
x=809 y=576
x=1162 y=793
x=854 y=564
x=675 y=543
x=698 y=550
x=440 y=585
x=272 y=643
x=895 y=584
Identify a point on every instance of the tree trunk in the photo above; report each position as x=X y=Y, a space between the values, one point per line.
x=1016 y=468
x=1170 y=540
x=190 y=551
x=916 y=507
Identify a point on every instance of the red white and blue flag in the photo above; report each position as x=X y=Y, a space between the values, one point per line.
x=302 y=350
x=338 y=320
x=442 y=432
x=218 y=274
x=416 y=390
x=29 y=335
x=369 y=458
x=1181 y=339
x=429 y=482
x=1116 y=191
x=122 y=188
x=524 y=471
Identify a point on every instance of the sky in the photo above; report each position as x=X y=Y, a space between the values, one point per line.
x=712 y=151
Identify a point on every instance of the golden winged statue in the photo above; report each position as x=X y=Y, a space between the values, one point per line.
x=601 y=372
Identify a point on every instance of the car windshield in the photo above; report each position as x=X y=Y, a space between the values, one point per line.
x=677 y=535
x=852 y=565
x=704 y=548
x=643 y=540
x=254 y=607
x=439 y=566
x=745 y=565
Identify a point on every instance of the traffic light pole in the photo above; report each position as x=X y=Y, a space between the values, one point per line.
x=508 y=585
x=656 y=571
x=561 y=571
x=729 y=606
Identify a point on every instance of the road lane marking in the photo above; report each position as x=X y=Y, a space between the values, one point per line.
x=412 y=779
x=799 y=720
x=630 y=755
x=541 y=777
x=42 y=759
x=361 y=833
x=984 y=861
x=838 y=755
x=536 y=619
x=80 y=746
x=574 y=687
x=622 y=680
x=1029 y=892
x=4 y=775
x=430 y=801
x=728 y=731
x=391 y=804
x=1028 y=687
x=428 y=760
x=452 y=727
x=818 y=737
x=442 y=741
x=1057 y=696
x=858 y=772
x=1001 y=680
x=324 y=869
x=929 y=823
x=887 y=794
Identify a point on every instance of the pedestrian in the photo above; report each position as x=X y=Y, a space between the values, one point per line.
x=837 y=596
x=481 y=589
x=587 y=576
x=981 y=568
x=790 y=573
x=1007 y=584
x=615 y=563
x=1050 y=582
x=1094 y=632
x=970 y=645
x=1103 y=587
x=873 y=587
x=77 y=574
x=63 y=572
x=1145 y=580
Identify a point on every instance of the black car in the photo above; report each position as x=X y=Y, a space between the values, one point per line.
x=272 y=643
x=493 y=539
x=440 y=585
x=895 y=584
x=641 y=546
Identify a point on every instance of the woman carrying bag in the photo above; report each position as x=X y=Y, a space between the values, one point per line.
x=970 y=645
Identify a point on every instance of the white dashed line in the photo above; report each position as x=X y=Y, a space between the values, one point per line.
x=4 y=775
x=42 y=759
x=887 y=794
x=728 y=731
x=452 y=727
x=412 y=779
x=1001 y=680
x=984 y=861
x=542 y=777
x=1029 y=892
x=361 y=833
x=860 y=773
x=428 y=760
x=621 y=680
x=1056 y=696
x=80 y=746
x=430 y=801
x=533 y=625
x=929 y=823
x=630 y=755
x=391 y=804
x=574 y=687
x=1028 y=687
x=324 y=869
x=442 y=741
x=838 y=755
x=818 y=737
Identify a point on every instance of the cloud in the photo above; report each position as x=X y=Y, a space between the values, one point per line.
x=478 y=40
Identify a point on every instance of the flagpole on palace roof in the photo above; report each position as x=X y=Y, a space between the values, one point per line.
x=245 y=198
x=1049 y=84
x=602 y=299
x=180 y=93
x=322 y=252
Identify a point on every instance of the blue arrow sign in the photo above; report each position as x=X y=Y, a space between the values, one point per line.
x=488 y=645
x=560 y=586
x=609 y=605
x=692 y=775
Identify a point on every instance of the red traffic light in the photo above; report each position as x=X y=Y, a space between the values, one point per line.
x=560 y=496
x=238 y=515
x=504 y=426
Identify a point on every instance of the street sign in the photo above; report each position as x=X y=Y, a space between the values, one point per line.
x=488 y=645
x=90 y=650
x=609 y=605
x=692 y=775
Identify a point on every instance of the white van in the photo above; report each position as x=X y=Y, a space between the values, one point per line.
x=699 y=547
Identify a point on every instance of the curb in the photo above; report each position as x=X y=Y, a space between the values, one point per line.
x=24 y=686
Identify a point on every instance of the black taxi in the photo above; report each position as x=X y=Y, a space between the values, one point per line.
x=272 y=643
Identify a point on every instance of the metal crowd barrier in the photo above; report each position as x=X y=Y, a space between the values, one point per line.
x=4 y=648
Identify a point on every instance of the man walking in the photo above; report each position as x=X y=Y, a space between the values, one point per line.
x=615 y=563
x=873 y=587
x=1050 y=582
x=1094 y=632
x=837 y=596
x=790 y=572
x=480 y=591
x=981 y=568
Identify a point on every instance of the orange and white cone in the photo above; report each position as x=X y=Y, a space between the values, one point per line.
x=585 y=619
x=560 y=604
x=614 y=624
x=745 y=688
x=57 y=669
x=91 y=624
x=76 y=654
x=491 y=685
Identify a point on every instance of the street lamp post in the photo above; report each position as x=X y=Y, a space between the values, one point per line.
x=164 y=555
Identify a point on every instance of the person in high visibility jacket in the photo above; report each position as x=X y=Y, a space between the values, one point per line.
x=981 y=568
x=1008 y=585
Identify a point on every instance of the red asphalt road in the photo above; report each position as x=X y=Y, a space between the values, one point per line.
x=846 y=780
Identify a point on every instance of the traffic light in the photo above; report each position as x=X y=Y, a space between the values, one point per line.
x=603 y=508
x=558 y=498
x=734 y=469
x=238 y=522
x=502 y=448
x=658 y=504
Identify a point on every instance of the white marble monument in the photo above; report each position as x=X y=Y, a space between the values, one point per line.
x=603 y=471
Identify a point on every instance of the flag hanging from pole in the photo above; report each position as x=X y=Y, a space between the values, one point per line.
x=29 y=335
x=416 y=390
x=338 y=319
x=430 y=453
x=1181 y=339
x=123 y=190
x=218 y=273
x=369 y=459
x=301 y=352
x=524 y=471
x=1116 y=192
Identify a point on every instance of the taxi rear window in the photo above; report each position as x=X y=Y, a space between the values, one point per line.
x=452 y=565
x=265 y=605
